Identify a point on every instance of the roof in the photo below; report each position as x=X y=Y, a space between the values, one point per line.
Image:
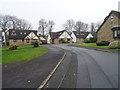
x=82 y=35
x=20 y=34
x=94 y=34
x=112 y=12
x=55 y=35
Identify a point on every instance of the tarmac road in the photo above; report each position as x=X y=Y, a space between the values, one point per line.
x=96 y=69
x=81 y=68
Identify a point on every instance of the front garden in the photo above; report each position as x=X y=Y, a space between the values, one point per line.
x=21 y=53
x=92 y=42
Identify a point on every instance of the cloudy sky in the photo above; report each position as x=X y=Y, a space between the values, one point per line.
x=58 y=10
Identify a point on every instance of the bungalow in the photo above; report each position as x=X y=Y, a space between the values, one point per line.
x=22 y=37
x=110 y=28
x=80 y=37
x=59 y=37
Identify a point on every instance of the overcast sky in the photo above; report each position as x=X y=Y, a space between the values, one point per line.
x=58 y=10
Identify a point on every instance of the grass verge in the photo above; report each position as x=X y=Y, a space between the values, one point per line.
x=22 y=53
x=93 y=45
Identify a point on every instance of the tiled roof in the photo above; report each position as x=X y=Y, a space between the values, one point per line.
x=81 y=35
x=20 y=34
x=55 y=35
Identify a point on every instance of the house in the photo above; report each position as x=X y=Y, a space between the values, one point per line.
x=42 y=39
x=110 y=28
x=79 y=37
x=91 y=35
x=22 y=37
x=59 y=37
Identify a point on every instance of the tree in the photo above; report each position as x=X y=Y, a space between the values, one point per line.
x=69 y=25
x=45 y=27
x=50 y=24
x=42 y=26
x=94 y=26
x=12 y=22
x=81 y=26
x=5 y=25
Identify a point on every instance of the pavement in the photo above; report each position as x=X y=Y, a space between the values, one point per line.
x=81 y=68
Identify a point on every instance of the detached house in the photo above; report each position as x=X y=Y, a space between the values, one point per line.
x=22 y=37
x=59 y=37
x=80 y=37
x=110 y=28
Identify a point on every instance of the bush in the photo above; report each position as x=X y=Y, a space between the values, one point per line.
x=13 y=47
x=103 y=43
x=36 y=44
x=114 y=45
x=90 y=40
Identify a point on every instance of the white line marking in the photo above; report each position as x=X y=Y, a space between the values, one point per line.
x=51 y=73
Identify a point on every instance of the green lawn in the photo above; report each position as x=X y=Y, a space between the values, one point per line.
x=90 y=45
x=93 y=45
x=22 y=53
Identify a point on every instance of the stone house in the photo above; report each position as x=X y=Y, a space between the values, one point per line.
x=22 y=37
x=109 y=29
x=59 y=37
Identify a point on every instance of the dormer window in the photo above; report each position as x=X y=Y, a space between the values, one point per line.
x=13 y=33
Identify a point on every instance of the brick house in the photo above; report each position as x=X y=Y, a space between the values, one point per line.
x=22 y=37
x=110 y=29
x=59 y=37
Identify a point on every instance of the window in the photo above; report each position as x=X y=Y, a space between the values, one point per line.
x=116 y=33
x=27 y=40
x=14 y=40
x=13 y=33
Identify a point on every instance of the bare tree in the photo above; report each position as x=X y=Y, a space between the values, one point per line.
x=12 y=22
x=5 y=25
x=19 y=24
x=24 y=25
x=98 y=24
x=42 y=26
x=94 y=26
x=81 y=26
x=69 y=25
x=50 y=24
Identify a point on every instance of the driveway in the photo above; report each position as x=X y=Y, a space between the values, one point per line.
x=81 y=68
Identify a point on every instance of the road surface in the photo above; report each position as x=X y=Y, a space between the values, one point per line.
x=81 y=68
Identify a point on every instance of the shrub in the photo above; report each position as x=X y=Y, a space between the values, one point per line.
x=36 y=44
x=87 y=41
x=103 y=43
x=90 y=40
x=114 y=45
x=13 y=47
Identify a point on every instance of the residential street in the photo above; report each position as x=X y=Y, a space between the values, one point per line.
x=80 y=68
